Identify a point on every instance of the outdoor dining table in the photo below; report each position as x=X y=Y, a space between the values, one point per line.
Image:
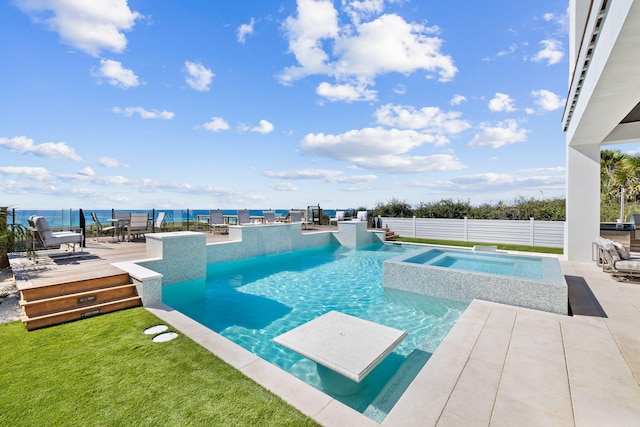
x=119 y=224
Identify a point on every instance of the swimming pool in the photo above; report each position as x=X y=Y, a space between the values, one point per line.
x=251 y=301
x=462 y=275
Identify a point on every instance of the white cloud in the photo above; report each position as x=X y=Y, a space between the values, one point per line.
x=547 y=100
x=51 y=150
x=284 y=186
x=90 y=26
x=362 y=9
x=551 y=52
x=361 y=50
x=509 y=181
x=458 y=99
x=428 y=119
x=87 y=171
x=109 y=162
x=316 y=21
x=380 y=149
x=345 y=92
x=216 y=124
x=506 y=132
x=144 y=114
x=35 y=173
x=116 y=74
x=411 y=164
x=264 y=127
x=501 y=102
x=390 y=44
x=327 y=175
x=198 y=77
x=245 y=30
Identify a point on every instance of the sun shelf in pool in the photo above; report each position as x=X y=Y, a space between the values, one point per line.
x=459 y=275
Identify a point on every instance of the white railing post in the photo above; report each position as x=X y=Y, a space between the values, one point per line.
x=414 y=227
x=466 y=229
x=532 y=239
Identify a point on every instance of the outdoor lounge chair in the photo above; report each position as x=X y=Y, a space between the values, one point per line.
x=296 y=216
x=615 y=259
x=159 y=222
x=138 y=224
x=269 y=217
x=243 y=217
x=339 y=217
x=361 y=216
x=216 y=222
x=43 y=235
x=100 y=229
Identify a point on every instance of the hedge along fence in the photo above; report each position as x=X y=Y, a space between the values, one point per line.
x=517 y=232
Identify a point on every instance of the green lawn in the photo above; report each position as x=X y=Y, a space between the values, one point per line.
x=523 y=248
x=104 y=371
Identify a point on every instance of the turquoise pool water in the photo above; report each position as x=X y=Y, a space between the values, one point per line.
x=251 y=301
x=483 y=262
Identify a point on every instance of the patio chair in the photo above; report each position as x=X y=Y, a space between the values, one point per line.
x=297 y=216
x=138 y=225
x=216 y=222
x=159 y=222
x=339 y=217
x=269 y=217
x=43 y=235
x=243 y=217
x=615 y=259
x=100 y=229
x=361 y=216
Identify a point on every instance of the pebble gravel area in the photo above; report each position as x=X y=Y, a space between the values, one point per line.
x=10 y=309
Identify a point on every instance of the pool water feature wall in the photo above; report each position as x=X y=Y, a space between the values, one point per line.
x=416 y=272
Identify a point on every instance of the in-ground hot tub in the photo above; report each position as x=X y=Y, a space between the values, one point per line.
x=464 y=275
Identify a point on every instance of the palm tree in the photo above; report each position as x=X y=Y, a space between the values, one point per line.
x=610 y=176
x=628 y=175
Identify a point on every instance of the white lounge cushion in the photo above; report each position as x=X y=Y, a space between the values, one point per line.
x=628 y=265
x=622 y=251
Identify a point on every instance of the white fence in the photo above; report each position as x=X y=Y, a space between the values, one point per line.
x=529 y=233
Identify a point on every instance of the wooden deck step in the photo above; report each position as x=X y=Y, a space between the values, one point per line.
x=72 y=287
x=390 y=235
x=83 y=296
x=45 y=306
x=80 y=313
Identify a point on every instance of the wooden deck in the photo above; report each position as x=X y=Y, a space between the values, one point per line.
x=52 y=267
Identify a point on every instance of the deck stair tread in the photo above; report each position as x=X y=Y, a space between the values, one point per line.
x=74 y=285
x=80 y=299
x=80 y=312
x=390 y=235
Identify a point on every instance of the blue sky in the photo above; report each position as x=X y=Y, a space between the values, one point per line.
x=263 y=104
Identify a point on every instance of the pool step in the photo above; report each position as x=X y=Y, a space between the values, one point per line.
x=393 y=390
x=54 y=304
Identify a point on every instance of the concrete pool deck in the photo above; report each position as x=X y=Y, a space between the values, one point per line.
x=500 y=365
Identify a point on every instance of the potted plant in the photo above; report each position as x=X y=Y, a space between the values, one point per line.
x=12 y=238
